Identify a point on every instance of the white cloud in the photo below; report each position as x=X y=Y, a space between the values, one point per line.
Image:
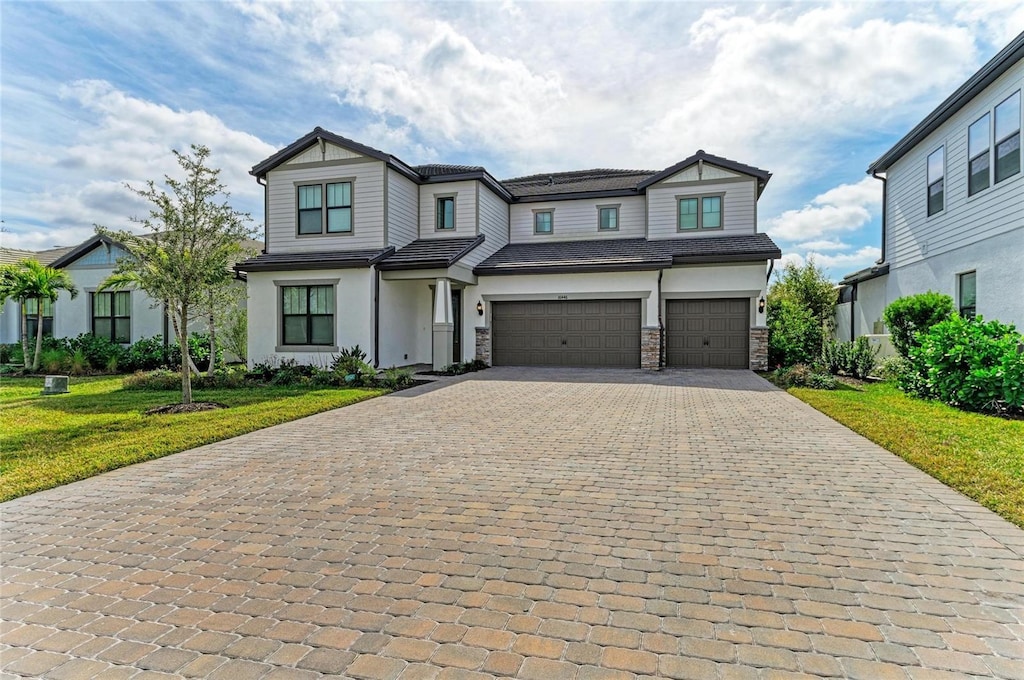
x=823 y=245
x=836 y=265
x=842 y=209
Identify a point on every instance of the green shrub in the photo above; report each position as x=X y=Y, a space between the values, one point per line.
x=794 y=334
x=803 y=375
x=893 y=368
x=863 y=358
x=161 y=379
x=198 y=349
x=395 y=378
x=350 y=364
x=972 y=364
x=97 y=351
x=11 y=354
x=147 y=354
x=822 y=381
x=53 y=361
x=908 y=316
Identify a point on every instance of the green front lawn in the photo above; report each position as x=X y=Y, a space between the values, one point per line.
x=49 y=441
x=980 y=456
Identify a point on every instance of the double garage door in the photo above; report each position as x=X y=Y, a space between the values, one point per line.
x=576 y=333
x=707 y=333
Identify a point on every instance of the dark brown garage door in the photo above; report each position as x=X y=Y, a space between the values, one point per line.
x=566 y=333
x=707 y=333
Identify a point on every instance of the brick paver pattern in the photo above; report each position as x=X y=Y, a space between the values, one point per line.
x=523 y=523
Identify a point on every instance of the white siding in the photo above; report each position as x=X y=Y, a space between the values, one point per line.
x=367 y=207
x=465 y=209
x=577 y=220
x=403 y=210
x=710 y=172
x=494 y=214
x=332 y=152
x=912 y=235
x=739 y=208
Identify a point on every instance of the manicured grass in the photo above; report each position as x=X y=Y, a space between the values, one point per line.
x=980 y=456
x=49 y=441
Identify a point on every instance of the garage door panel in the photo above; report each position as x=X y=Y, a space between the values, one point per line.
x=711 y=333
x=567 y=333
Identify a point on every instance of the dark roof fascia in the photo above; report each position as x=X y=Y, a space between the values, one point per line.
x=484 y=177
x=749 y=170
x=307 y=140
x=648 y=265
x=436 y=263
x=84 y=248
x=607 y=193
x=997 y=66
x=254 y=265
x=865 y=275
x=731 y=257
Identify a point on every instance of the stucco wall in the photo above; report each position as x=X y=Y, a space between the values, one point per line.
x=747 y=280
x=73 y=317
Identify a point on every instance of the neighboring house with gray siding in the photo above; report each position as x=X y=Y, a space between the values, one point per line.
x=953 y=207
x=441 y=263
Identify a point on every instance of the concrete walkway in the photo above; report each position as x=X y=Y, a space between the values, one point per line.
x=526 y=523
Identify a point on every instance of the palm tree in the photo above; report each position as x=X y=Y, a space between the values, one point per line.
x=30 y=280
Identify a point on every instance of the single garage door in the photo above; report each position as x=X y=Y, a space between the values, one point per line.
x=707 y=333
x=566 y=333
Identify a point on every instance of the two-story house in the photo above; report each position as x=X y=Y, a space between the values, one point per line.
x=953 y=206
x=442 y=263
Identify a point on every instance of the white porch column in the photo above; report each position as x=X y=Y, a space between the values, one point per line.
x=444 y=324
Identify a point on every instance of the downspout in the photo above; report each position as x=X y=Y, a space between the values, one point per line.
x=376 y=317
x=853 y=317
x=661 y=325
x=771 y=268
x=885 y=205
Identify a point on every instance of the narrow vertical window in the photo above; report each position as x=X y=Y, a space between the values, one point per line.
x=445 y=212
x=339 y=208
x=968 y=294
x=687 y=214
x=310 y=213
x=936 y=183
x=978 y=156
x=32 y=317
x=711 y=212
x=543 y=222
x=111 y=316
x=1007 y=138
x=608 y=218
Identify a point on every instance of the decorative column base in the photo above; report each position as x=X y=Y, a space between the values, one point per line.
x=443 y=334
x=650 y=348
x=483 y=344
x=759 y=348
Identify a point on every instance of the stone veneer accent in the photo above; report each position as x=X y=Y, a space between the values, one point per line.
x=759 y=348
x=483 y=344
x=650 y=348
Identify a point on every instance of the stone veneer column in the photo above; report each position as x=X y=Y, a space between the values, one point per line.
x=650 y=348
x=483 y=344
x=759 y=348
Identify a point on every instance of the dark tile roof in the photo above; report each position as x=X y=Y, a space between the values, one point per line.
x=435 y=169
x=431 y=253
x=578 y=181
x=14 y=255
x=866 y=274
x=721 y=162
x=625 y=254
x=336 y=259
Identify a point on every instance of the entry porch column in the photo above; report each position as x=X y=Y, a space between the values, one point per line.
x=444 y=324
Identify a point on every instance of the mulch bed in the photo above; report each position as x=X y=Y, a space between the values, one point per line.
x=194 y=407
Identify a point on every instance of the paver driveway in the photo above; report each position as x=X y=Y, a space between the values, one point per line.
x=539 y=524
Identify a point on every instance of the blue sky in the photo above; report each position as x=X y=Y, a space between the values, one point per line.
x=95 y=95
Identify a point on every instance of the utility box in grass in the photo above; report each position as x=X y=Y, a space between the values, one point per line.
x=55 y=384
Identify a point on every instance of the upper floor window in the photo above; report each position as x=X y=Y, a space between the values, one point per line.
x=112 y=315
x=701 y=212
x=968 y=294
x=543 y=221
x=936 y=182
x=32 y=317
x=608 y=217
x=978 y=155
x=338 y=217
x=445 y=217
x=307 y=315
x=1007 y=138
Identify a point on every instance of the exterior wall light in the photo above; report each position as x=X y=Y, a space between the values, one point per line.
x=760 y=305
x=480 y=307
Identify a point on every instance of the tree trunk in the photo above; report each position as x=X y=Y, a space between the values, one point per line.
x=186 y=375
x=213 y=341
x=39 y=334
x=177 y=334
x=24 y=335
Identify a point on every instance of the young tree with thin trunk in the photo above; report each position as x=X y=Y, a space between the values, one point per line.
x=29 y=280
x=192 y=238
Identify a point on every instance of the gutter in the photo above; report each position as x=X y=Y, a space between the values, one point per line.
x=376 y=317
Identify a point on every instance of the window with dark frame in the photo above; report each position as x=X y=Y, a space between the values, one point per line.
x=310 y=210
x=112 y=316
x=608 y=218
x=445 y=218
x=543 y=222
x=968 y=294
x=307 y=315
x=699 y=212
x=32 y=317
x=324 y=208
x=1007 y=137
x=936 y=171
x=339 y=207
x=978 y=145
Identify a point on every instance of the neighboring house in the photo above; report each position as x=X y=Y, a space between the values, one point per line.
x=953 y=207
x=442 y=263
x=10 y=313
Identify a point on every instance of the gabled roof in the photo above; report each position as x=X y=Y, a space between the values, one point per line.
x=84 y=248
x=313 y=137
x=434 y=253
x=997 y=66
x=762 y=175
x=346 y=259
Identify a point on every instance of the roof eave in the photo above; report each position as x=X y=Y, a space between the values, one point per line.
x=730 y=257
x=82 y=249
x=650 y=265
x=607 y=193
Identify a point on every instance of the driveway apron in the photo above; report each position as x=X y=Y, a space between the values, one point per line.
x=526 y=523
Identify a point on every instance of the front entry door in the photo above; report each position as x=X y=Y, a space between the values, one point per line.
x=457 y=320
